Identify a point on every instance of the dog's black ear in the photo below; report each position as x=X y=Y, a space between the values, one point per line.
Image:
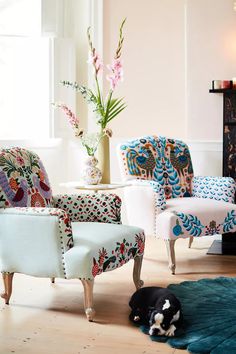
x=151 y=314
x=151 y=309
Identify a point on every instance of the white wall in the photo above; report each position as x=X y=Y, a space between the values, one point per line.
x=211 y=55
x=154 y=65
x=172 y=52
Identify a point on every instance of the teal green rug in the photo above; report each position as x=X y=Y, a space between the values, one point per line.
x=209 y=310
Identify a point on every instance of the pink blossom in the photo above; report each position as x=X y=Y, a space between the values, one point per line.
x=96 y=61
x=116 y=73
x=73 y=120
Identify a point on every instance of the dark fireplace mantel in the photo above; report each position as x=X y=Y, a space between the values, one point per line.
x=228 y=244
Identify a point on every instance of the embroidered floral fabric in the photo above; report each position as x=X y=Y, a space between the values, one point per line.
x=217 y=188
x=100 y=247
x=196 y=217
x=90 y=207
x=166 y=161
x=23 y=180
x=123 y=251
x=195 y=227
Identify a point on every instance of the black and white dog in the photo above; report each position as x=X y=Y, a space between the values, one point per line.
x=158 y=308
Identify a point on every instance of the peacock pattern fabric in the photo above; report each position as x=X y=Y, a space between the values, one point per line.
x=166 y=161
x=217 y=188
x=104 y=208
x=23 y=180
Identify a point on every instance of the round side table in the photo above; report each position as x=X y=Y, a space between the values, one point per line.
x=94 y=187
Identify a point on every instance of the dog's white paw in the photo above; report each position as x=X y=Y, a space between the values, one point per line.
x=151 y=331
x=171 y=331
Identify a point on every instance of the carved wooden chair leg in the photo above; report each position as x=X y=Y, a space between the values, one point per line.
x=170 y=246
x=88 y=298
x=190 y=241
x=7 y=280
x=137 y=271
x=52 y=280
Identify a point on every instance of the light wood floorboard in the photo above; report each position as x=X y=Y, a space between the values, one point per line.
x=45 y=318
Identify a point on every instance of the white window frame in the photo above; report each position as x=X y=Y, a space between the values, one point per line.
x=61 y=61
x=53 y=24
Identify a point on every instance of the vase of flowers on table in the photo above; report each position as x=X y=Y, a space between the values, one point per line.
x=104 y=106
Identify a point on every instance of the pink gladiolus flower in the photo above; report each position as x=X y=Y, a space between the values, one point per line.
x=116 y=73
x=96 y=61
x=73 y=120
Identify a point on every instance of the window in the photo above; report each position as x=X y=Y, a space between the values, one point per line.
x=27 y=67
x=24 y=91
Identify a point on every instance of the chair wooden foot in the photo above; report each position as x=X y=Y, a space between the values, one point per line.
x=88 y=298
x=137 y=271
x=53 y=280
x=7 y=280
x=190 y=241
x=170 y=246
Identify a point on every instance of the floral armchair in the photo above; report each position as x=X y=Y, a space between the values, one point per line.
x=167 y=200
x=66 y=236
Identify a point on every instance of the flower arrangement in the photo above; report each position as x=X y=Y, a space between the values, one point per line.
x=105 y=107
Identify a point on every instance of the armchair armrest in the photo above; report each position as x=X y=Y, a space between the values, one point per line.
x=104 y=208
x=217 y=188
x=158 y=190
x=144 y=201
x=34 y=240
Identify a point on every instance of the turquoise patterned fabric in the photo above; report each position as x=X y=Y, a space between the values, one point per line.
x=217 y=188
x=196 y=217
x=163 y=160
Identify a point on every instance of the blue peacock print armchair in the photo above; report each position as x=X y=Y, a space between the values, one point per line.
x=66 y=236
x=167 y=200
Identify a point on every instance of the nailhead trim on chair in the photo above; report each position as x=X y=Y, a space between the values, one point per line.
x=64 y=227
x=159 y=200
x=63 y=220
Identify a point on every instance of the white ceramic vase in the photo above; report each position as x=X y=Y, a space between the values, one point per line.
x=92 y=174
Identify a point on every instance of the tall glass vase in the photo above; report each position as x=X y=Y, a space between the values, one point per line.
x=104 y=159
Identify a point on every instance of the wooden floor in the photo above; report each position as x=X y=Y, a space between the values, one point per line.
x=45 y=318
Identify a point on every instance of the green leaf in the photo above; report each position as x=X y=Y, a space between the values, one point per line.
x=2 y=161
x=117 y=111
x=114 y=104
x=118 y=107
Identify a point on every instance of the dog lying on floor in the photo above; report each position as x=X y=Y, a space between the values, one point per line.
x=157 y=308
